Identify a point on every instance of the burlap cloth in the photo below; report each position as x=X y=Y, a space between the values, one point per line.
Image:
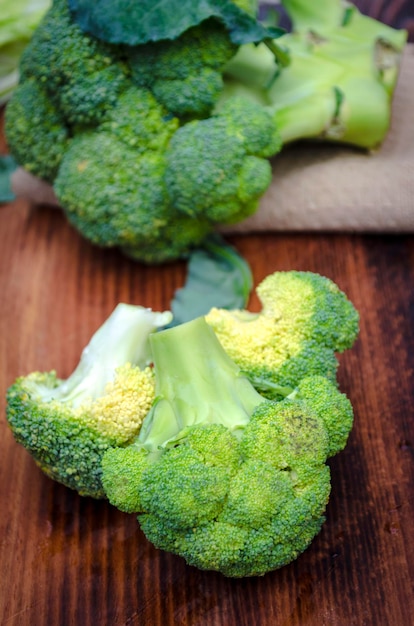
x=321 y=187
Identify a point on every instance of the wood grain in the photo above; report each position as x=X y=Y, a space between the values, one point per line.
x=72 y=561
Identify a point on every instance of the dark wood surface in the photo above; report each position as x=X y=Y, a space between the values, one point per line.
x=72 y=561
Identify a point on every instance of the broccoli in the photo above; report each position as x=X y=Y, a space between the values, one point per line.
x=305 y=319
x=185 y=104
x=112 y=183
x=218 y=474
x=125 y=161
x=225 y=156
x=114 y=197
x=339 y=84
x=66 y=425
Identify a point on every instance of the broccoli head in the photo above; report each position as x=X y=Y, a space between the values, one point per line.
x=111 y=183
x=186 y=74
x=115 y=129
x=218 y=474
x=66 y=425
x=305 y=320
x=134 y=182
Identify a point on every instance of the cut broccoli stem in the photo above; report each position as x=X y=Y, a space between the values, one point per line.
x=196 y=383
x=122 y=338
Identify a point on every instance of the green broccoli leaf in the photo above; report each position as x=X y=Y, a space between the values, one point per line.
x=217 y=276
x=139 y=22
x=7 y=167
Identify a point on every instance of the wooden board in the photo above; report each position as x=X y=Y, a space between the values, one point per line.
x=72 y=561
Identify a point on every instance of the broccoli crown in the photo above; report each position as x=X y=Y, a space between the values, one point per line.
x=67 y=443
x=105 y=118
x=305 y=319
x=218 y=167
x=218 y=474
x=66 y=425
x=185 y=74
x=111 y=179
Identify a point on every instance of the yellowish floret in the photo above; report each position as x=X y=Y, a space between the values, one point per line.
x=305 y=320
x=127 y=400
x=251 y=339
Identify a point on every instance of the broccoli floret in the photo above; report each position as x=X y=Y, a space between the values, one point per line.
x=218 y=474
x=134 y=184
x=333 y=407
x=105 y=127
x=218 y=167
x=305 y=319
x=66 y=425
x=116 y=197
x=140 y=121
x=82 y=75
x=36 y=130
x=185 y=74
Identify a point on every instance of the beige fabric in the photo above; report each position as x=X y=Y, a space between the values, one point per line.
x=324 y=187
x=25 y=185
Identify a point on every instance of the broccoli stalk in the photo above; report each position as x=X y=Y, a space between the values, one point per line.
x=205 y=386
x=340 y=80
x=122 y=338
x=219 y=475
